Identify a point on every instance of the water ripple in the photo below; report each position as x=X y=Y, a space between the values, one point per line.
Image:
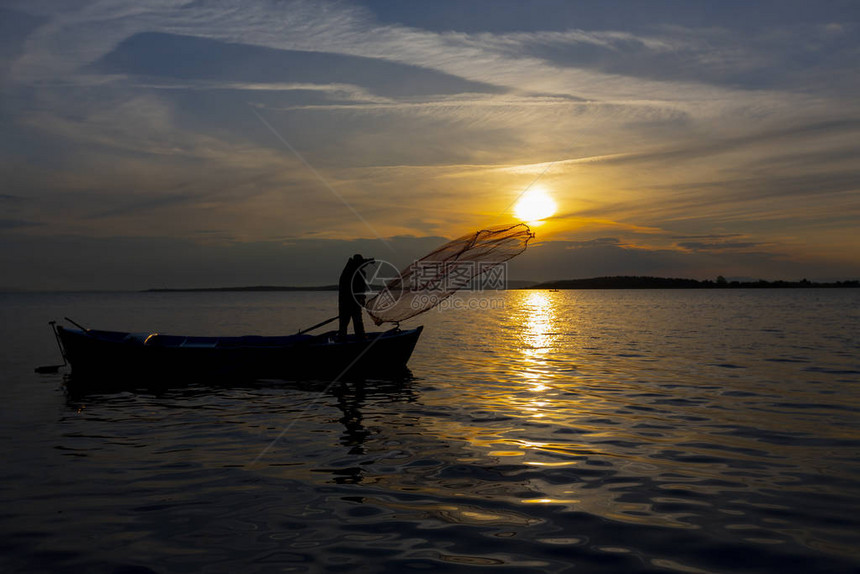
x=561 y=431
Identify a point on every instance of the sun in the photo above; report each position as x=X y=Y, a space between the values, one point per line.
x=534 y=205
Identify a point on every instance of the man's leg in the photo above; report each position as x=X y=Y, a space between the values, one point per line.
x=343 y=324
x=357 y=322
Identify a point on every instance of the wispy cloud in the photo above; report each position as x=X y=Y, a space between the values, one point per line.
x=16 y=223
x=719 y=246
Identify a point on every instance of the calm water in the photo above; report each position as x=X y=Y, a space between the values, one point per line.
x=581 y=431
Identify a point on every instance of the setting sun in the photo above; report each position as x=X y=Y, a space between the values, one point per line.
x=534 y=205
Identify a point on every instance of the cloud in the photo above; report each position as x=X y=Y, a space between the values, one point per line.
x=718 y=145
x=132 y=263
x=128 y=262
x=718 y=246
x=323 y=95
x=774 y=58
x=187 y=57
x=578 y=260
x=599 y=242
x=509 y=16
x=15 y=26
x=713 y=236
x=15 y=224
x=322 y=27
x=136 y=119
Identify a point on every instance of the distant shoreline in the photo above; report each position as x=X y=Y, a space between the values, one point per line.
x=674 y=283
x=258 y=288
x=619 y=282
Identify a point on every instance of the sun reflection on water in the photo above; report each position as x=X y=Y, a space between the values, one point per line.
x=538 y=405
x=539 y=317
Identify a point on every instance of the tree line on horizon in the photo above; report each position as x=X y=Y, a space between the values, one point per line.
x=645 y=282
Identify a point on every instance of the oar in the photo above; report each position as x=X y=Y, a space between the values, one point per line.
x=78 y=325
x=44 y=369
x=326 y=322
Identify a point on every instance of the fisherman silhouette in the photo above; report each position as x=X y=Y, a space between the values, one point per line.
x=351 y=290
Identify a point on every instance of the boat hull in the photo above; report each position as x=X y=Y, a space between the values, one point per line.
x=166 y=360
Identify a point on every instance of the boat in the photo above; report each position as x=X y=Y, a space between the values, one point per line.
x=158 y=359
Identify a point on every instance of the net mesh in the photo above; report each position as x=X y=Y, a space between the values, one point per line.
x=453 y=266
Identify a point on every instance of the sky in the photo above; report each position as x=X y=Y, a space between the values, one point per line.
x=197 y=143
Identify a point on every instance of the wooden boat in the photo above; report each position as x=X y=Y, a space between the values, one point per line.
x=165 y=359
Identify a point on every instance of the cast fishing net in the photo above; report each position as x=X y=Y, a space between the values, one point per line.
x=459 y=264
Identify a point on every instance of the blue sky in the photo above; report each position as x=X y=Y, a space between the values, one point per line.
x=198 y=143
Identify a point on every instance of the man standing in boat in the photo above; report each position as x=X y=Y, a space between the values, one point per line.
x=351 y=289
